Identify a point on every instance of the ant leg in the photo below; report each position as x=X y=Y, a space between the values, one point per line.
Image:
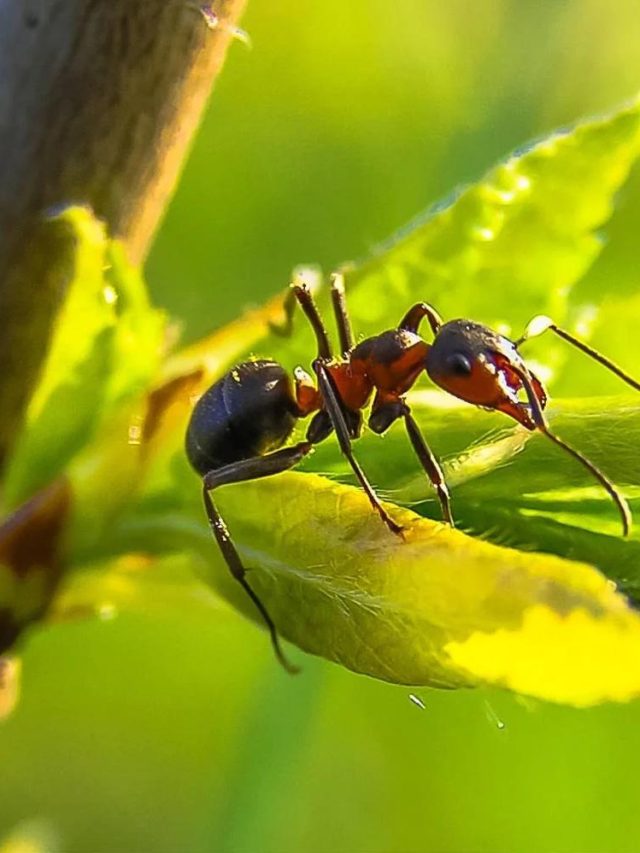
x=334 y=409
x=541 y=423
x=411 y=320
x=237 y=472
x=539 y=325
x=430 y=464
x=383 y=417
x=345 y=332
x=237 y=569
x=308 y=305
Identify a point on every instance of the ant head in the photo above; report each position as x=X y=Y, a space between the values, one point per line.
x=481 y=367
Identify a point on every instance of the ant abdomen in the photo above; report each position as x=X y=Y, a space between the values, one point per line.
x=248 y=412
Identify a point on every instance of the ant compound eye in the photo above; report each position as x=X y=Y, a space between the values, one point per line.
x=459 y=364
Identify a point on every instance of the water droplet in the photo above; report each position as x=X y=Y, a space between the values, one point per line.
x=110 y=295
x=538 y=326
x=493 y=717
x=417 y=701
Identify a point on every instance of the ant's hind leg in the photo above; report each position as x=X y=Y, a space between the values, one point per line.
x=249 y=469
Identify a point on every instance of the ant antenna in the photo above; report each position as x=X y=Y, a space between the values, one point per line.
x=542 y=424
x=539 y=325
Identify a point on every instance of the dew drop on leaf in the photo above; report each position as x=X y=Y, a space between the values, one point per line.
x=417 y=701
x=493 y=717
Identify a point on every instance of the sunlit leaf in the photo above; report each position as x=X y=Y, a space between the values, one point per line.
x=106 y=347
x=105 y=350
x=511 y=245
x=340 y=585
x=514 y=487
x=506 y=248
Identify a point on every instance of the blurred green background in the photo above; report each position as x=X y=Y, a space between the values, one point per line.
x=174 y=729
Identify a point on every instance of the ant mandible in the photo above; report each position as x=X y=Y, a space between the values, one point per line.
x=240 y=423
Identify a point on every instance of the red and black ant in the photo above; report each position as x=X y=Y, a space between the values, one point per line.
x=240 y=423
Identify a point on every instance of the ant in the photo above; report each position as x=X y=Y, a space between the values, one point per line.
x=240 y=423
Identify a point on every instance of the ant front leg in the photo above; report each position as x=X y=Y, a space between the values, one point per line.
x=237 y=472
x=343 y=323
x=335 y=412
x=303 y=295
x=308 y=305
x=383 y=417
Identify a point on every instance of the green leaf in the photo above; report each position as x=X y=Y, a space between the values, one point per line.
x=487 y=457
x=513 y=244
x=416 y=611
x=515 y=487
x=105 y=349
x=506 y=248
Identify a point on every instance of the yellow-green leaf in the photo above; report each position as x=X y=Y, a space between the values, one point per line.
x=503 y=249
x=105 y=348
x=419 y=610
